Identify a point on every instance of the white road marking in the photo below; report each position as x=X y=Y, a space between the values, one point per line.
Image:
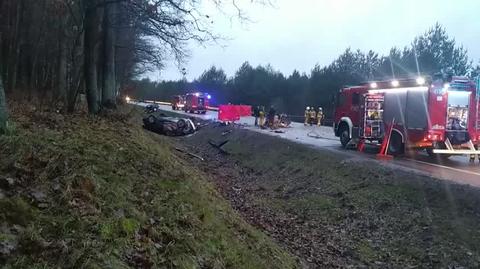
x=445 y=167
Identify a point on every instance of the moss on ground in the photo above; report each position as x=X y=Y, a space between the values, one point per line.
x=88 y=192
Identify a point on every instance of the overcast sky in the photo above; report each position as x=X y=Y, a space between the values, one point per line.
x=297 y=34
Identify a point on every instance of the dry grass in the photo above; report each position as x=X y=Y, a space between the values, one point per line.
x=91 y=192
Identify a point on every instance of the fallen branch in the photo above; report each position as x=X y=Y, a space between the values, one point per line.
x=219 y=146
x=191 y=154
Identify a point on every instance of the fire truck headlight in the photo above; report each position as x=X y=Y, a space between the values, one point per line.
x=127 y=99
x=197 y=94
x=209 y=96
x=395 y=83
x=373 y=85
x=420 y=81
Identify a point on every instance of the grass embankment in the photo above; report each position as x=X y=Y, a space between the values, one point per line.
x=334 y=211
x=80 y=192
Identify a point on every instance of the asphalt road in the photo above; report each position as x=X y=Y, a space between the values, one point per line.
x=457 y=169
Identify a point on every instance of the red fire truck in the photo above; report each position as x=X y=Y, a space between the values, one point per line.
x=439 y=115
x=178 y=102
x=197 y=102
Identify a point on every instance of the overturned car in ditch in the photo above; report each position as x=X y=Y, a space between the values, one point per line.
x=171 y=126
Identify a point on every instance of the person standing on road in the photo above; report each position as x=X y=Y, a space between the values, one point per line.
x=319 y=116
x=256 y=112
x=307 y=115
x=312 y=116
x=261 y=116
x=271 y=116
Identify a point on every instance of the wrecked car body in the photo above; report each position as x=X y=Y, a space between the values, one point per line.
x=171 y=126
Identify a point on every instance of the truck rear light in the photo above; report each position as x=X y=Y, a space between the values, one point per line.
x=434 y=137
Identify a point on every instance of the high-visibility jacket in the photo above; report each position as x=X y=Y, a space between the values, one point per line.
x=319 y=115
x=261 y=116
x=319 y=118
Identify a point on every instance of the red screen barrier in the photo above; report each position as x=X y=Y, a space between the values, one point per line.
x=228 y=113
x=233 y=112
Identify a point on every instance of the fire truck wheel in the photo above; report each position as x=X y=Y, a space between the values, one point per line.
x=344 y=137
x=396 y=146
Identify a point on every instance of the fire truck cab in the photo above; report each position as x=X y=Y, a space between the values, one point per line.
x=178 y=102
x=439 y=116
x=197 y=102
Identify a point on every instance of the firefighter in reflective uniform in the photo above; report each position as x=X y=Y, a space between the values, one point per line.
x=307 y=115
x=319 y=116
x=261 y=117
x=312 y=116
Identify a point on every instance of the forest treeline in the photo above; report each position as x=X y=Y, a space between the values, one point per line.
x=54 y=52
x=431 y=52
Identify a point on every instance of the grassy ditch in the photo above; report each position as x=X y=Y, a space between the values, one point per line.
x=84 y=192
x=333 y=211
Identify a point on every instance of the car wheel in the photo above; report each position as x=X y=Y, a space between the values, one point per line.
x=151 y=119
x=188 y=128
x=181 y=124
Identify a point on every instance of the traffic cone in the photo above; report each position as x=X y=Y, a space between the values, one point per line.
x=361 y=145
x=383 y=154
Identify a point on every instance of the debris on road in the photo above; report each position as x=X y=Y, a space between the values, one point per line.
x=227 y=132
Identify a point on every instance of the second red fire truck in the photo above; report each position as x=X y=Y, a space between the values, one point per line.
x=197 y=102
x=433 y=114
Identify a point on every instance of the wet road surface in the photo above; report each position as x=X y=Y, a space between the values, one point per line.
x=457 y=168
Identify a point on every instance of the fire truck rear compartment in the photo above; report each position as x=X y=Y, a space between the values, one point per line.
x=408 y=109
x=373 y=126
x=457 y=117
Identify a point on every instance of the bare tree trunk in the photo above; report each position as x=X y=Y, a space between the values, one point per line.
x=62 y=68
x=90 y=56
x=108 y=93
x=15 y=47
x=3 y=109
